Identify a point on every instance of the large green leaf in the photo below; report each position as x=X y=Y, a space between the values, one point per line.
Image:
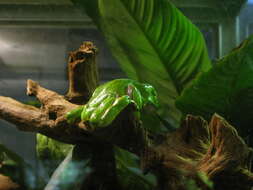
x=153 y=42
x=226 y=89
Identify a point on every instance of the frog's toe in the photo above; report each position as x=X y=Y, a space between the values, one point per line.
x=74 y=115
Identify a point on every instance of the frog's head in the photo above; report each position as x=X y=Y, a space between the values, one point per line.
x=149 y=95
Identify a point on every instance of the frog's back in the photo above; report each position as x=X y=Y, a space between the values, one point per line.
x=117 y=85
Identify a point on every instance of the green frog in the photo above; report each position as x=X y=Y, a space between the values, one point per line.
x=109 y=99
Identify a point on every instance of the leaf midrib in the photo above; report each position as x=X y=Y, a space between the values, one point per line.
x=176 y=85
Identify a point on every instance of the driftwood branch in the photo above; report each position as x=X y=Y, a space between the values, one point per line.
x=49 y=120
x=214 y=149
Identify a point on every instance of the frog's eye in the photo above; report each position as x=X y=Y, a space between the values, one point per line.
x=150 y=90
x=152 y=94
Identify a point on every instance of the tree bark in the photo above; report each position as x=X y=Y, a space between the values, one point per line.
x=82 y=73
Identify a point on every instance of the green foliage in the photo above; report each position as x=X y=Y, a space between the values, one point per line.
x=129 y=173
x=34 y=103
x=51 y=152
x=12 y=157
x=153 y=42
x=109 y=99
x=204 y=178
x=191 y=185
x=226 y=89
x=48 y=148
x=14 y=166
x=70 y=174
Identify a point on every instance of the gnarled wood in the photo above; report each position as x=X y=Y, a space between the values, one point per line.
x=215 y=150
x=82 y=73
x=48 y=120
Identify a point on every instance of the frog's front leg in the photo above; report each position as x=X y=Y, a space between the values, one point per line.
x=103 y=114
x=74 y=115
x=113 y=111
